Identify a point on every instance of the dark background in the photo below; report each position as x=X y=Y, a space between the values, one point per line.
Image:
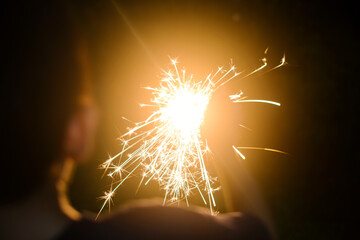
x=311 y=191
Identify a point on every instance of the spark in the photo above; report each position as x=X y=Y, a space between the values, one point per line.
x=282 y=63
x=265 y=149
x=259 y=101
x=237 y=150
x=167 y=147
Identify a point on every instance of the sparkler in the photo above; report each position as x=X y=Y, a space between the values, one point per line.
x=167 y=146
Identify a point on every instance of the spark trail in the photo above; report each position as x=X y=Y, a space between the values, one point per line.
x=167 y=147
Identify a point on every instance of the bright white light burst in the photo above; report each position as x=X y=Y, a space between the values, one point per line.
x=167 y=146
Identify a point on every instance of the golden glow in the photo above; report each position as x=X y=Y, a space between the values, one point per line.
x=167 y=146
x=185 y=110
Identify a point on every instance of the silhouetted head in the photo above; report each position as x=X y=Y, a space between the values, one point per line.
x=45 y=93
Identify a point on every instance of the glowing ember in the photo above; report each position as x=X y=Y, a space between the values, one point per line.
x=167 y=146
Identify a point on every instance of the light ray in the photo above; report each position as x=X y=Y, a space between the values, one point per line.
x=167 y=147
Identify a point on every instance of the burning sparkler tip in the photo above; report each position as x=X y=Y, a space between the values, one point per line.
x=167 y=146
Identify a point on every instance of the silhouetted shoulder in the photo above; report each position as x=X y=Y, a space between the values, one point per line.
x=142 y=220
